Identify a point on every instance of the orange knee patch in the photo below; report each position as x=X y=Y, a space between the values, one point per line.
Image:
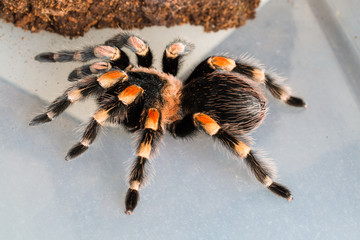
x=174 y=50
x=152 y=119
x=107 y=52
x=101 y=115
x=74 y=95
x=144 y=150
x=258 y=75
x=242 y=149
x=207 y=123
x=110 y=78
x=98 y=66
x=139 y=45
x=223 y=63
x=130 y=94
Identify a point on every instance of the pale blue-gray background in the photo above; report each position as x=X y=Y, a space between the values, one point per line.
x=198 y=192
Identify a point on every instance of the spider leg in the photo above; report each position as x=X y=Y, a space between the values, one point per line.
x=260 y=169
x=173 y=54
x=99 y=67
x=109 y=109
x=88 y=86
x=183 y=128
x=89 y=135
x=104 y=52
x=255 y=73
x=137 y=45
x=150 y=136
x=90 y=69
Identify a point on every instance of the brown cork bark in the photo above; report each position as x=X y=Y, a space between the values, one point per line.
x=75 y=17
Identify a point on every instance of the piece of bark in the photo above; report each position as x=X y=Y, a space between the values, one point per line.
x=75 y=17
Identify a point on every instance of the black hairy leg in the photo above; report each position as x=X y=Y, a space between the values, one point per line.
x=110 y=108
x=83 y=88
x=99 y=67
x=137 y=45
x=83 y=55
x=150 y=137
x=256 y=73
x=183 y=128
x=173 y=54
x=110 y=51
x=89 y=134
x=261 y=169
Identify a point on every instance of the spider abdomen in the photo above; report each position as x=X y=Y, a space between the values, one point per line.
x=231 y=99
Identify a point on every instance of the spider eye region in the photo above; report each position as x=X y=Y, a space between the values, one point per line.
x=222 y=63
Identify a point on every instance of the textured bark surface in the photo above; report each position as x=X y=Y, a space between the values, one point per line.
x=76 y=17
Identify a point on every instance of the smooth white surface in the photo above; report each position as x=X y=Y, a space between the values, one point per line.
x=198 y=192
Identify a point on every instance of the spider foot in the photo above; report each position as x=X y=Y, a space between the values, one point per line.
x=75 y=151
x=45 y=57
x=296 y=102
x=132 y=197
x=281 y=191
x=39 y=119
x=178 y=48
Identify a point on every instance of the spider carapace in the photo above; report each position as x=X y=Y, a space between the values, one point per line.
x=221 y=97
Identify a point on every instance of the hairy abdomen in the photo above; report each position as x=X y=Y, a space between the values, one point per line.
x=231 y=99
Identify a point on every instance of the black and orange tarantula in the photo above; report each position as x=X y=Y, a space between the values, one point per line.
x=220 y=97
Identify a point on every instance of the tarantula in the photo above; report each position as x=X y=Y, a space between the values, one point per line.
x=220 y=97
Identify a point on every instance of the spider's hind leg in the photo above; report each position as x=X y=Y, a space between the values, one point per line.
x=260 y=169
x=252 y=71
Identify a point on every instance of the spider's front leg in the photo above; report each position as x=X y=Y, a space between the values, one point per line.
x=88 y=86
x=111 y=56
x=150 y=137
x=260 y=169
x=256 y=73
x=173 y=55
x=137 y=45
x=112 y=107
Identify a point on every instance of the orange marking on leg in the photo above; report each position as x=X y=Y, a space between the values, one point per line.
x=77 y=56
x=74 y=95
x=107 y=52
x=94 y=68
x=242 y=149
x=144 y=150
x=223 y=63
x=139 y=45
x=110 y=78
x=101 y=115
x=210 y=125
x=152 y=119
x=174 y=50
x=258 y=75
x=130 y=94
